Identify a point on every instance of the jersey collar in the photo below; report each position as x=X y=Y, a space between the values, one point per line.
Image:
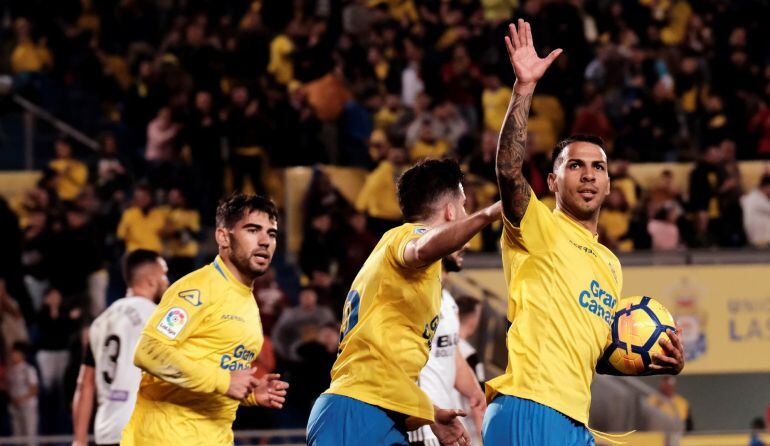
x=580 y=228
x=221 y=268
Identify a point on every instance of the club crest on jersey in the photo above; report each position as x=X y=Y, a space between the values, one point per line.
x=193 y=297
x=420 y=230
x=172 y=322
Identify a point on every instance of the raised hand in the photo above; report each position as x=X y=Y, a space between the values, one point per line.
x=529 y=68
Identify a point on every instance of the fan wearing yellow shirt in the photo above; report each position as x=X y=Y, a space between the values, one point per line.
x=390 y=316
x=563 y=285
x=198 y=347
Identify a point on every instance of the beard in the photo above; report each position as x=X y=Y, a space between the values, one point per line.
x=242 y=261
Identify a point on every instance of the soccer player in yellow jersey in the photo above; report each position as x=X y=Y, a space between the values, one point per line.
x=390 y=316
x=197 y=349
x=563 y=285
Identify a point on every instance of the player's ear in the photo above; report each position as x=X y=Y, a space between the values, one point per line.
x=223 y=241
x=609 y=188
x=449 y=211
x=552 y=182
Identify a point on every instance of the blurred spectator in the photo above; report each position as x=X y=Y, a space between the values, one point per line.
x=757 y=428
x=320 y=245
x=23 y=392
x=378 y=199
x=663 y=191
x=312 y=374
x=614 y=222
x=494 y=100
x=671 y=403
x=760 y=126
x=756 y=213
x=35 y=246
x=428 y=145
x=161 y=149
x=110 y=169
x=623 y=181
x=29 y=56
x=71 y=174
x=248 y=131
x=180 y=234
x=271 y=299
x=706 y=180
x=72 y=279
x=298 y=324
x=358 y=242
x=203 y=133
x=592 y=120
x=323 y=198
x=57 y=324
x=12 y=325
x=663 y=229
x=161 y=133
x=483 y=161
x=141 y=224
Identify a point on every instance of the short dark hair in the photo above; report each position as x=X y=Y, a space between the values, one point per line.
x=466 y=305
x=133 y=260
x=559 y=147
x=237 y=206
x=422 y=184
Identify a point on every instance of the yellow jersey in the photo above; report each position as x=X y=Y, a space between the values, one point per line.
x=379 y=197
x=187 y=222
x=676 y=407
x=390 y=316
x=72 y=177
x=563 y=288
x=141 y=230
x=212 y=319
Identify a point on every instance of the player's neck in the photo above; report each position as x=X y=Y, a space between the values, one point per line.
x=591 y=223
x=240 y=277
x=138 y=292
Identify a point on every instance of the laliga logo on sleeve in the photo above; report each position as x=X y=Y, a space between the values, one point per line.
x=172 y=323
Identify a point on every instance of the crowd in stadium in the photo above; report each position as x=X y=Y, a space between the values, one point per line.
x=194 y=99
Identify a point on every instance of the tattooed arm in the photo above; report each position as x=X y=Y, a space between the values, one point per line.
x=167 y=363
x=511 y=147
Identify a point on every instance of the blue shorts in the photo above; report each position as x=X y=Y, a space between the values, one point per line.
x=338 y=420
x=513 y=421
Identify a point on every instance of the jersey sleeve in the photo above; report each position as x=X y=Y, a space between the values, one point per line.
x=406 y=234
x=536 y=230
x=180 y=313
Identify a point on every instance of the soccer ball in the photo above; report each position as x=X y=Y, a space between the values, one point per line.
x=638 y=325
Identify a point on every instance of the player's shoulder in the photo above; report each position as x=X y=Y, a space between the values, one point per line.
x=405 y=229
x=204 y=285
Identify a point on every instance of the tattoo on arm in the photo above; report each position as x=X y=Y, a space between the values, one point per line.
x=511 y=148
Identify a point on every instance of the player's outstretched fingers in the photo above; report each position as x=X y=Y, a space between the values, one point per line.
x=514 y=36
x=522 y=28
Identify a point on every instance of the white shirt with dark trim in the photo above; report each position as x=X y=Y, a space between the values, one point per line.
x=112 y=341
x=437 y=378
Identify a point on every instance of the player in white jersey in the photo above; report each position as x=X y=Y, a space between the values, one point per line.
x=469 y=310
x=446 y=370
x=108 y=365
